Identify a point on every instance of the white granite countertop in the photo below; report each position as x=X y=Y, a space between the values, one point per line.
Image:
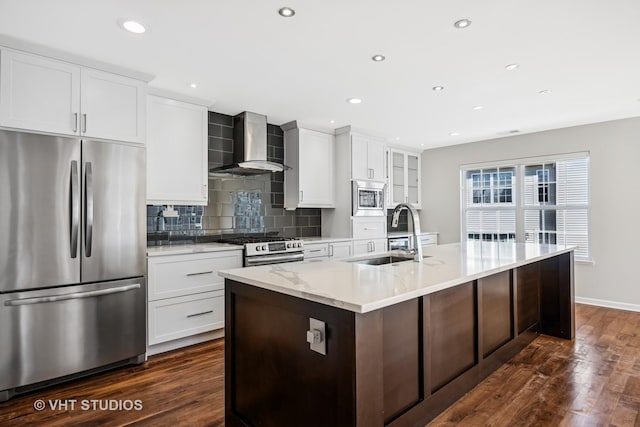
x=326 y=239
x=191 y=249
x=408 y=233
x=362 y=288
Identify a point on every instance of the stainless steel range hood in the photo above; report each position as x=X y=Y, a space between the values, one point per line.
x=249 y=148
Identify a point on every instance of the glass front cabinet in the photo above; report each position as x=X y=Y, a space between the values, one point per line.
x=403 y=174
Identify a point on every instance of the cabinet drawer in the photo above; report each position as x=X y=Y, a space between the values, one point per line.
x=316 y=250
x=179 y=275
x=180 y=317
x=429 y=239
x=369 y=227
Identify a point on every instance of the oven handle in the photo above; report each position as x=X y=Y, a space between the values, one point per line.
x=272 y=259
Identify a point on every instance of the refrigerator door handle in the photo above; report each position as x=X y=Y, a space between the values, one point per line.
x=76 y=295
x=75 y=209
x=88 y=209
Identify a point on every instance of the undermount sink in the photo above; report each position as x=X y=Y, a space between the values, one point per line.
x=381 y=260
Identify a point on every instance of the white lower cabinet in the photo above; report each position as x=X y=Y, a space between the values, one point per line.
x=180 y=317
x=316 y=250
x=341 y=249
x=322 y=251
x=369 y=246
x=186 y=297
x=429 y=239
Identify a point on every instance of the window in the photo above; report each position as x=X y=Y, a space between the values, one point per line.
x=534 y=201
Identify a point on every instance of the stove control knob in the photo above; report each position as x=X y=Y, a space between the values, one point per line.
x=258 y=248
x=300 y=244
x=288 y=245
x=264 y=247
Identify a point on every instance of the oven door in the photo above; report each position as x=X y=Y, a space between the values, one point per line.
x=251 y=261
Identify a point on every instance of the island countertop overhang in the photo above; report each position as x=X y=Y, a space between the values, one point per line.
x=363 y=288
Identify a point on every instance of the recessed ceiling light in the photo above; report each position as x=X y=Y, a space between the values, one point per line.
x=286 y=12
x=397 y=138
x=421 y=145
x=193 y=85
x=463 y=23
x=512 y=66
x=378 y=58
x=454 y=134
x=332 y=121
x=354 y=100
x=514 y=131
x=437 y=88
x=134 y=27
x=478 y=107
x=545 y=92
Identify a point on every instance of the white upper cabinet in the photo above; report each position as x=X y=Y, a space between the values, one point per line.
x=367 y=158
x=310 y=181
x=403 y=172
x=38 y=93
x=112 y=106
x=44 y=94
x=176 y=152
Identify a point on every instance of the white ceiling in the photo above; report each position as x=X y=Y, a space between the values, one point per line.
x=244 y=56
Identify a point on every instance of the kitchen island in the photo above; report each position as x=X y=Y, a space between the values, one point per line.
x=392 y=344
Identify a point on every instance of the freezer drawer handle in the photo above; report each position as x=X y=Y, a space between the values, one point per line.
x=198 y=274
x=88 y=209
x=75 y=209
x=200 y=314
x=75 y=295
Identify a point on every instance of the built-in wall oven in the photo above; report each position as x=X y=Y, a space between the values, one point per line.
x=368 y=198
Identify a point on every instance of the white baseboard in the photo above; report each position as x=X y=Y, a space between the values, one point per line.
x=184 y=342
x=608 y=304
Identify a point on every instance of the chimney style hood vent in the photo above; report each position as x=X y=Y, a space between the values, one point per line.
x=249 y=148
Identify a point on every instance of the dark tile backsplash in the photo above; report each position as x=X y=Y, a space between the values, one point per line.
x=243 y=205
x=403 y=221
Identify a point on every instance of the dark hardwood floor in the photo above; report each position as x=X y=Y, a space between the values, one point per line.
x=593 y=381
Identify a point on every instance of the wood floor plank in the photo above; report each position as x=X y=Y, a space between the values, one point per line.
x=592 y=381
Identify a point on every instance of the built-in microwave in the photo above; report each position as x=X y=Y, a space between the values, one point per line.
x=368 y=198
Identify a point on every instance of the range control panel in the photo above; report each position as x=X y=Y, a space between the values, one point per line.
x=265 y=248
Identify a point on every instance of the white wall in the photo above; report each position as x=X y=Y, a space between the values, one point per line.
x=615 y=199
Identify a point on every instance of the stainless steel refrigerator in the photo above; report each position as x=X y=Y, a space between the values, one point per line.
x=72 y=258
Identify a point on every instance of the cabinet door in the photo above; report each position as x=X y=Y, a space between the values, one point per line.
x=397 y=177
x=176 y=152
x=413 y=179
x=340 y=249
x=362 y=247
x=375 y=160
x=39 y=93
x=369 y=246
x=113 y=107
x=316 y=169
x=359 y=160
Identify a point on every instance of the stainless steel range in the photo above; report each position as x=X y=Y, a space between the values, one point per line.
x=269 y=250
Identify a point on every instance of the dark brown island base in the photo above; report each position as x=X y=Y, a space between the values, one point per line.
x=397 y=365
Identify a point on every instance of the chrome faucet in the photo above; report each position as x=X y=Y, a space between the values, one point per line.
x=415 y=221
